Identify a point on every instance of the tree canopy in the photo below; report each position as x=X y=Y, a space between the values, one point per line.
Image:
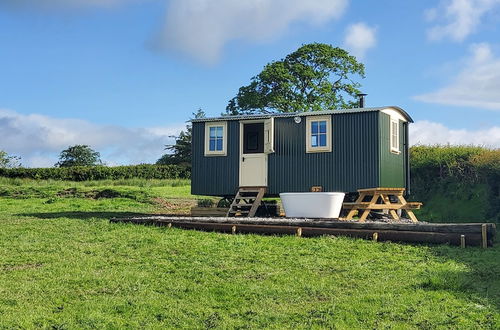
x=314 y=77
x=79 y=155
x=181 y=150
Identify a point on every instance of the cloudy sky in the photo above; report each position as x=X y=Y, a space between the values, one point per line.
x=124 y=75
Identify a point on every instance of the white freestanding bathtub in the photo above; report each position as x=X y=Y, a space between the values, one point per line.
x=312 y=204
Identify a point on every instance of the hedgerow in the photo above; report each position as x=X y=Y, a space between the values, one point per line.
x=456 y=183
x=86 y=173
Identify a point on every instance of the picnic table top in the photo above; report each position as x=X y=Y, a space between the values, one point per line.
x=378 y=189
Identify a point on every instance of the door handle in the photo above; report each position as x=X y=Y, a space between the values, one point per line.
x=243 y=159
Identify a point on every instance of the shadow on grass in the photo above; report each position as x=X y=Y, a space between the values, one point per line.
x=481 y=280
x=81 y=215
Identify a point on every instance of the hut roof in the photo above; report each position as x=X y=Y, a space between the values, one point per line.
x=307 y=113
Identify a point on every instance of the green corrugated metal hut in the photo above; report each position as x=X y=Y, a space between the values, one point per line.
x=338 y=150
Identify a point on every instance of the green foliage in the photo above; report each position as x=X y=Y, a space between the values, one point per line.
x=181 y=150
x=85 y=173
x=78 y=155
x=205 y=202
x=224 y=202
x=456 y=183
x=314 y=77
x=438 y=162
x=8 y=161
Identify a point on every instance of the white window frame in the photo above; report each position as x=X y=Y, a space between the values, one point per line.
x=394 y=146
x=222 y=152
x=309 y=121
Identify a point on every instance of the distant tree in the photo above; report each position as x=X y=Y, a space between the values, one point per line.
x=9 y=161
x=181 y=150
x=79 y=155
x=314 y=77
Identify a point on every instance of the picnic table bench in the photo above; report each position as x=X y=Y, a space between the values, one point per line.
x=372 y=199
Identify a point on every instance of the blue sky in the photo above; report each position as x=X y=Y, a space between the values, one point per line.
x=124 y=75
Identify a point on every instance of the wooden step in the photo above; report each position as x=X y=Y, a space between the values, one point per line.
x=251 y=197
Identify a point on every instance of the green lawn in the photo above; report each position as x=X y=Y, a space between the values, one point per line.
x=63 y=265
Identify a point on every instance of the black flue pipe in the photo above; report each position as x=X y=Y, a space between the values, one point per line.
x=361 y=98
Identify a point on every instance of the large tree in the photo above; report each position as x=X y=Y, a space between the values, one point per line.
x=180 y=152
x=314 y=77
x=79 y=155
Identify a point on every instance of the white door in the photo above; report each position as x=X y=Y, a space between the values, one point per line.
x=254 y=146
x=253 y=170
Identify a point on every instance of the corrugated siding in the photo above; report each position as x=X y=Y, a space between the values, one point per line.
x=215 y=175
x=352 y=164
x=358 y=151
x=392 y=166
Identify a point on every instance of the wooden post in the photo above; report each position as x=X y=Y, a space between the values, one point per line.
x=375 y=237
x=233 y=230
x=299 y=232
x=484 y=235
x=462 y=241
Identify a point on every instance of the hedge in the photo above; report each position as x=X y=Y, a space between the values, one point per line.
x=456 y=183
x=84 y=173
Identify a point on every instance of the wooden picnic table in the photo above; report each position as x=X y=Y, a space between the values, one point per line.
x=380 y=199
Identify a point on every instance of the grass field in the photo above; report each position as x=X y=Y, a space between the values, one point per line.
x=63 y=265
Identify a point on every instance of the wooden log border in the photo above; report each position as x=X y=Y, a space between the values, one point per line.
x=477 y=234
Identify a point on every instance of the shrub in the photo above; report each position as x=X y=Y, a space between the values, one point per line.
x=224 y=203
x=456 y=183
x=437 y=162
x=206 y=202
x=83 y=173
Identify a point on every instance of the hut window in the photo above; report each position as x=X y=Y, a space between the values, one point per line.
x=319 y=134
x=215 y=139
x=395 y=135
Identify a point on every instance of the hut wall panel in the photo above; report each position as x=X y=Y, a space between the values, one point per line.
x=215 y=175
x=392 y=166
x=352 y=164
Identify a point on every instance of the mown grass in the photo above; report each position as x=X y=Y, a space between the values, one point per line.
x=64 y=265
x=141 y=189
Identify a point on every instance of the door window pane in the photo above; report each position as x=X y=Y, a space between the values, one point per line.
x=253 y=138
x=252 y=141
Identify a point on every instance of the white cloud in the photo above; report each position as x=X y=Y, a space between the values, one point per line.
x=201 y=28
x=457 y=19
x=38 y=139
x=426 y=132
x=477 y=85
x=359 y=38
x=49 y=4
